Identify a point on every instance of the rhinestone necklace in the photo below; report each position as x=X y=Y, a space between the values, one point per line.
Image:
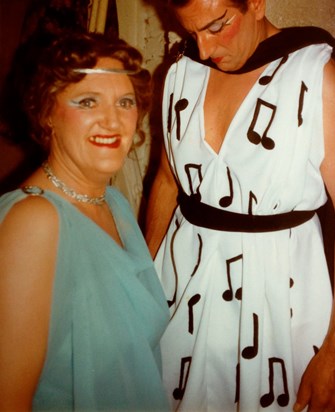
x=70 y=192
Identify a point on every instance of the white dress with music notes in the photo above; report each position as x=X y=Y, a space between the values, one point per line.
x=248 y=310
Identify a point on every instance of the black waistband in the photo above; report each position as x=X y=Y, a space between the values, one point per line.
x=210 y=217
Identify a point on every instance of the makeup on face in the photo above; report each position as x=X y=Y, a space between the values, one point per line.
x=217 y=25
x=91 y=100
x=95 y=119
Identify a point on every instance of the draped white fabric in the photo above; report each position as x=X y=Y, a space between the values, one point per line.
x=238 y=300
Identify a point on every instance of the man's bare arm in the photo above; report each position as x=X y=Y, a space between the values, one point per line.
x=161 y=204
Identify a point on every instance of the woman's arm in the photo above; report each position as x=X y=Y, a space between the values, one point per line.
x=161 y=204
x=28 y=247
x=317 y=388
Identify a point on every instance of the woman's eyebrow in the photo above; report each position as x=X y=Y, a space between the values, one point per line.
x=212 y=22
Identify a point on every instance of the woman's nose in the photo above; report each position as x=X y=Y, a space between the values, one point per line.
x=110 y=118
x=206 y=45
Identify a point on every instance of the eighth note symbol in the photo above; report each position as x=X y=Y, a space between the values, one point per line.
x=178 y=392
x=253 y=136
x=284 y=398
x=226 y=201
x=249 y=352
x=179 y=107
x=303 y=90
x=267 y=79
x=193 y=301
x=252 y=198
x=194 y=177
x=227 y=295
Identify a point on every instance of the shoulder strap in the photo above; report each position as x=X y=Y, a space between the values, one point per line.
x=32 y=190
x=288 y=40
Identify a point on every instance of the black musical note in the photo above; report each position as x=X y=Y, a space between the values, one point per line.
x=228 y=294
x=249 y=352
x=252 y=197
x=178 y=393
x=253 y=136
x=169 y=123
x=291 y=286
x=194 y=185
x=193 y=301
x=237 y=388
x=173 y=300
x=303 y=90
x=226 y=201
x=179 y=107
x=267 y=79
x=199 y=256
x=284 y=398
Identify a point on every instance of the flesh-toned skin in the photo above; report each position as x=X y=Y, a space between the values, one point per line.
x=229 y=37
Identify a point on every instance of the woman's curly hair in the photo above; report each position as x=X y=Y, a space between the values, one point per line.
x=54 y=71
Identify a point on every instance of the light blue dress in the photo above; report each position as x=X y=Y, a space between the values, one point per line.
x=108 y=315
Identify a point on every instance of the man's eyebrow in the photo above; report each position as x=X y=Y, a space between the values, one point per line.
x=212 y=22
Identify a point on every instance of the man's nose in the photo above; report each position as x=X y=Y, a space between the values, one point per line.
x=206 y=45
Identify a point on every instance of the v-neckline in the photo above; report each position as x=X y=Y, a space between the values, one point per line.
x=114 y=213
x=233 y=120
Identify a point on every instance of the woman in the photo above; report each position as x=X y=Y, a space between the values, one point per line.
x=82 y=311
x=249 y=139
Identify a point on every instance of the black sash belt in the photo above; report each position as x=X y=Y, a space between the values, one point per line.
x=210 y=217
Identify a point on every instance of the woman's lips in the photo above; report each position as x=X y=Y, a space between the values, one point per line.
x=106 y=141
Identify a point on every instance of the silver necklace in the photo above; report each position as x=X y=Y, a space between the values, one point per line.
x=70 y=192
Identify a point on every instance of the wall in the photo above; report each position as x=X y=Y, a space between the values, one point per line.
x=320 y=13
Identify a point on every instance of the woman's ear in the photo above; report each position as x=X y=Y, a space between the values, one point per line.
x=48 y=122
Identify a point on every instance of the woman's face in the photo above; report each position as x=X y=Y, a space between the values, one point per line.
x=223 y=33
x=93 y=122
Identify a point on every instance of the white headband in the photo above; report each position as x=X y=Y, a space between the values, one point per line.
x=105 y=70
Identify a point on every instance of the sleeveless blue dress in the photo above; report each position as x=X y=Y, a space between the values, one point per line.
x=108 y=315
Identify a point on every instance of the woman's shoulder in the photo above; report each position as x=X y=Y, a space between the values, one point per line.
x=28 y=208
x=29 y=233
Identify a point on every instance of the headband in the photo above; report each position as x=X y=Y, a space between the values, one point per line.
x=106 y=70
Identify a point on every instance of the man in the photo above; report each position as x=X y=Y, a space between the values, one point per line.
x=248 y=148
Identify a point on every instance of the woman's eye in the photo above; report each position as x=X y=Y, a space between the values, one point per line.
x=87 y=103
x=127 y=102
